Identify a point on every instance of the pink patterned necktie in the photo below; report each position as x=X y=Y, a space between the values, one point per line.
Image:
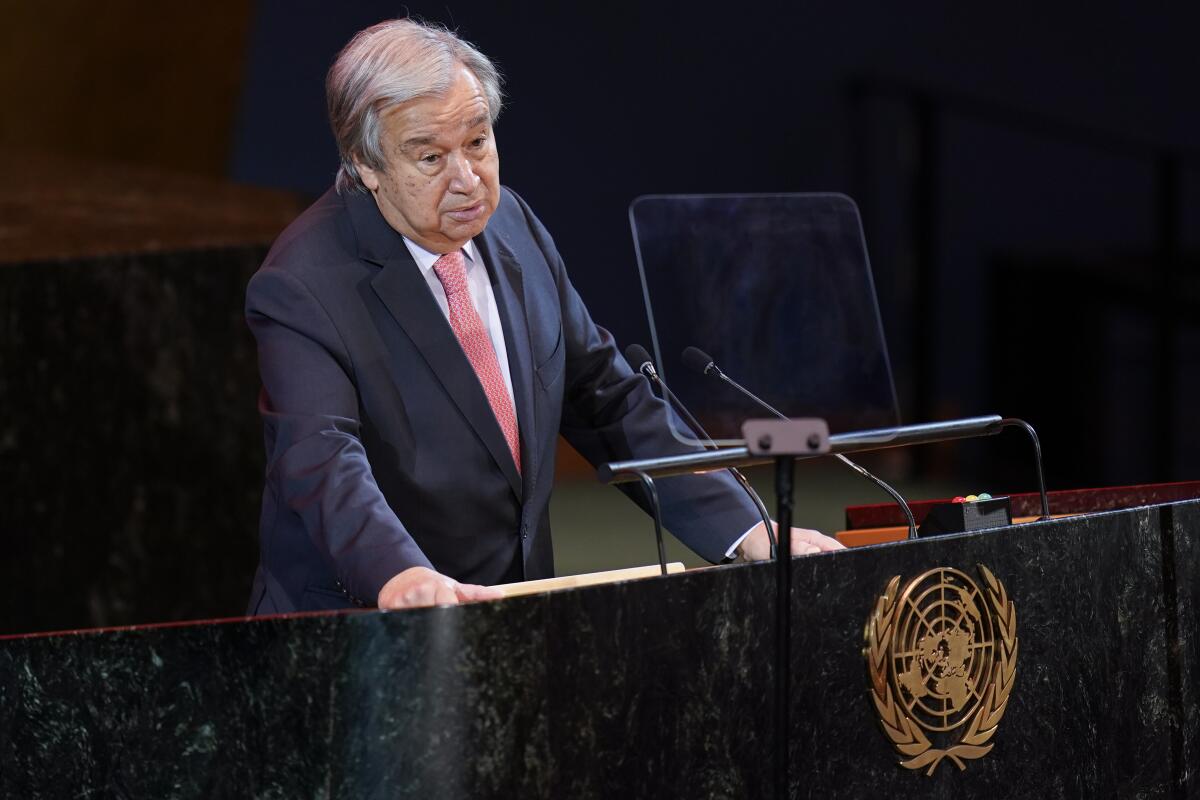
x=473 y=336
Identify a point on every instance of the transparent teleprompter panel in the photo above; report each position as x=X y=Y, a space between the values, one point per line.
x=777 y=289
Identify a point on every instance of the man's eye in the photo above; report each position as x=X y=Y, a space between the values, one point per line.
x=432 y=158
x=477 y=143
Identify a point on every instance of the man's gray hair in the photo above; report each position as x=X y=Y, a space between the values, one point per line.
x=388 y=64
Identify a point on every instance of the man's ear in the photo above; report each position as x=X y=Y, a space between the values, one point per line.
x=368 y=176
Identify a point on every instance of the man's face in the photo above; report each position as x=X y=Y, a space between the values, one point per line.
x=442 y=179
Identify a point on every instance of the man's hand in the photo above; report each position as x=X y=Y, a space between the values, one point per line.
x=421 y=586
x=757 y=547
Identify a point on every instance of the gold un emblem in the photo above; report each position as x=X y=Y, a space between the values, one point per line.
x=942 y=654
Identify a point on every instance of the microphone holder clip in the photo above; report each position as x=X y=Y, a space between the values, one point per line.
x=777 y=438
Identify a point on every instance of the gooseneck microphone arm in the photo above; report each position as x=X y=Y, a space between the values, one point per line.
x=696 y=359
x=648 y=483
x=638 y=356
x=1013 y=422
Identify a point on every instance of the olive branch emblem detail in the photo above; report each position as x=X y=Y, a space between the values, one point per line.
x=941 y=654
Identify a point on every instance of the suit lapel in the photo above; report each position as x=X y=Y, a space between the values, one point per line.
x=508 y=286
x=403 y=290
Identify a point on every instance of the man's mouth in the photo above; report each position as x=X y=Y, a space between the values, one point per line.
x=467 y=213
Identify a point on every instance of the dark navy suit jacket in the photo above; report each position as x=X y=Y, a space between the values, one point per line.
x=382 y=450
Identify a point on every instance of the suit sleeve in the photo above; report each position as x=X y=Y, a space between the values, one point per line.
x=315 y=459
x=610 y=414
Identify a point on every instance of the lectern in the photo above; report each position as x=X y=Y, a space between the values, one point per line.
x=662 y=687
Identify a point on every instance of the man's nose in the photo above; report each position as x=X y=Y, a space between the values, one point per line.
x=463 y=179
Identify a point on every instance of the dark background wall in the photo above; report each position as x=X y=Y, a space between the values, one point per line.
x=1029 y=183
x=138 y=83
x=976 y=142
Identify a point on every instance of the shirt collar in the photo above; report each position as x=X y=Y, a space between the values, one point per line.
x=426 y=259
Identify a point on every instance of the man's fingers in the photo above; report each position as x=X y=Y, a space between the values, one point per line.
x=805 y=542
x=417 y=595
x=434 y=592
x=444 y=593
x=824 y=543
x=471 y=592
x=803 y=548
x=419 y=587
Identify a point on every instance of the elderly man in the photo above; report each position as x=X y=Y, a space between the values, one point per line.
x=421 y=348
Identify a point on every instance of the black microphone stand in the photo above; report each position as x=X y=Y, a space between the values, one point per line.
x=785 y=477
x=785 y=440
x=652 y=491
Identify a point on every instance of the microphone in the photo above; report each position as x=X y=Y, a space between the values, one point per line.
x=699 y=361
x=636 y=354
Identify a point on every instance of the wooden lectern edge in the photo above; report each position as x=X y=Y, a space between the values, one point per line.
x=586 y=579
x=861 y=537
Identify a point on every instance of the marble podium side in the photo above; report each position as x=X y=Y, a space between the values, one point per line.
x=130 y=450
x=652 y=688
